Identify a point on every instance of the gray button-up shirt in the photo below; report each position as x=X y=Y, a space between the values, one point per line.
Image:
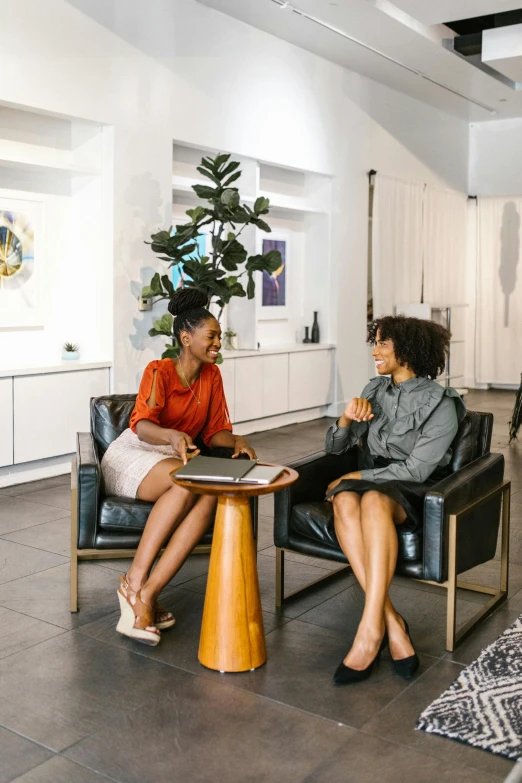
x=414 y=423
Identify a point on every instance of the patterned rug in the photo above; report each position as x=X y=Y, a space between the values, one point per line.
x=483 y=707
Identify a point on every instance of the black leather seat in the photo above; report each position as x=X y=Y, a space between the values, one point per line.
x=461 y=514
x=109 y=526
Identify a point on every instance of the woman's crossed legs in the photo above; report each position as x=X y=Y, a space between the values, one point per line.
x=365 y=528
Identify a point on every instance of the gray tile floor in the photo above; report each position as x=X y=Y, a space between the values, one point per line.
x=81 y=704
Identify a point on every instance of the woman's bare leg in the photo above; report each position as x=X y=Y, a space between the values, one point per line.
x=171 y=504
x=181 y=544
x=348 y=512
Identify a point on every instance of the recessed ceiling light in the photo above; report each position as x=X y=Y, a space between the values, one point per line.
x=502 y=100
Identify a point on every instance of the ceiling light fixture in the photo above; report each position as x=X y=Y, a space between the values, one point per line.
x=316 y=20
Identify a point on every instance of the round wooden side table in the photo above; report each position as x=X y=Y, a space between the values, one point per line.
x=232 y=635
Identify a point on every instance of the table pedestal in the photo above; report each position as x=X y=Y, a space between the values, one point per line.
x=232 y=635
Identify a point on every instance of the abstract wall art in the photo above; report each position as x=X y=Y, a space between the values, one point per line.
x=20 y=238
x=274 y=285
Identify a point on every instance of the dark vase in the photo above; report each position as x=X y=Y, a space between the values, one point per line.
x=315 y=329
x=306 y=338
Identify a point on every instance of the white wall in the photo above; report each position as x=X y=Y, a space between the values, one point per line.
x=495 y=159
x=179 y=70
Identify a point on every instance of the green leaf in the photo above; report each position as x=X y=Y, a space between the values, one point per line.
x=196 y=214
x=219 y=160
x=229 y=169
x=204 y=192
x=146 y=291
x=219 y=359
x=170 y=352
x=230 y=198
x=155 y=285
x=231 y=179
x=251 y=287
x=167 y=285
x=162 y=325
x=210 y=176
x=261 y=205
x=261 y=224
x=233 y=254
x=272 y=260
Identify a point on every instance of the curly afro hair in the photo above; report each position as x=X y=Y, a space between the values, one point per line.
x=422 y=345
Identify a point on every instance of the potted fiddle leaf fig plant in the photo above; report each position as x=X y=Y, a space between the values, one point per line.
x=222 y=268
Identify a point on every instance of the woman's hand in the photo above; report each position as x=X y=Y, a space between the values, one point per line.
x=356 y=474
x=183 y=446
x=242 y=446
x=359 y=409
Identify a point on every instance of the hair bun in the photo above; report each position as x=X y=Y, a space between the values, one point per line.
x=187 y=299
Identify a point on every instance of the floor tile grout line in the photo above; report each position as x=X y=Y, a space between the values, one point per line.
x=86 y=766
x=30 y=527
x=39 y=502
x=416 y=680
x=40 y=571
x=426 y=754
x=36 y=644
x=209 y=678
x=29 y=739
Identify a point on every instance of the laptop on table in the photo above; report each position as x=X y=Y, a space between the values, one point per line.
x=238 y=471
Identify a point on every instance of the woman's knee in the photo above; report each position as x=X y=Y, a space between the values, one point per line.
x=158 y=481
x=346 y=506
x=374 y=499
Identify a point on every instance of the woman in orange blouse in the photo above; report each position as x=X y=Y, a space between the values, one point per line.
x=178 y=401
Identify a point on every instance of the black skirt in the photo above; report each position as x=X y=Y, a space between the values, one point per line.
x=408 y=494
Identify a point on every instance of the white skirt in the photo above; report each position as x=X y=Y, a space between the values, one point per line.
x=127 y=461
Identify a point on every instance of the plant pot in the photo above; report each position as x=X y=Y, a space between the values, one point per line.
x=70 y=355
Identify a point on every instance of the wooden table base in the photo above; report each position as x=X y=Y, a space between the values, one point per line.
x=232 y=634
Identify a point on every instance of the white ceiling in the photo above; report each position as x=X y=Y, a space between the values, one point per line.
x=373 y=38
x=440 y=11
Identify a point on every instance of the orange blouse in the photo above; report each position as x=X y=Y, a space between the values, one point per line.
x=176 y=407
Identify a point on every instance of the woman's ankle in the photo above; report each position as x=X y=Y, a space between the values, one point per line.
x=135 y=580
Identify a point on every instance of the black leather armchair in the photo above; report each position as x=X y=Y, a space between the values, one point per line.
x=105 y=527
x=461 y=520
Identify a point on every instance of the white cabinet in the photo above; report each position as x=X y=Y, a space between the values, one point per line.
x=6 y=422
x=248 y=403
x=275 y=384
x=50 y=409
x=311 y=379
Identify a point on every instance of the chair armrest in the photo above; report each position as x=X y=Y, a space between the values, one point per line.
x=316 y=471
x=89 y=489
x=479 y=528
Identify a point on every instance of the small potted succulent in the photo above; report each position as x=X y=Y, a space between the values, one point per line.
x=70 y=351
x=229 y=340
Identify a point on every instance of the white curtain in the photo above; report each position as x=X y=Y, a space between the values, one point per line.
x=397 y=243
x=445 y=247
x=499 y=291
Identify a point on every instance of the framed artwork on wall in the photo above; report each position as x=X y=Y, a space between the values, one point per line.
x=21 y=263
x=274 y=290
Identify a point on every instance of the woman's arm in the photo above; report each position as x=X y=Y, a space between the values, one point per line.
x=150 y=432
x=432 y=444
x=351 y=425
x=228 y=440
x=180 y=442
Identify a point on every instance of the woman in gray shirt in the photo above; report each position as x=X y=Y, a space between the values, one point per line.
x=407 y=422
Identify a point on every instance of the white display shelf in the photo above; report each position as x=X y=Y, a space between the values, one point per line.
x=183 y=187
x=290 y=203
x=44 y=369
x=268 y=351
x=45 y=160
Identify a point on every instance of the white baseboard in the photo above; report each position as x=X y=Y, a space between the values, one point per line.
x=33 y=471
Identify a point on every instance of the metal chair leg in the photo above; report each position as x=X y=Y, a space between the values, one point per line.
x=74 y=537
x=280 y=577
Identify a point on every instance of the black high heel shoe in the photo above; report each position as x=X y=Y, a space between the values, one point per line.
x=346 y=676
x=406 y=667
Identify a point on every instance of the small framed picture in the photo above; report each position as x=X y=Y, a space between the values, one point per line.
x=273 y=296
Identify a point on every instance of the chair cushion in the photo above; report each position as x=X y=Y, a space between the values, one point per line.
x=315 y=521
x=110 y=416
x=472 y=439
x=126 y=515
